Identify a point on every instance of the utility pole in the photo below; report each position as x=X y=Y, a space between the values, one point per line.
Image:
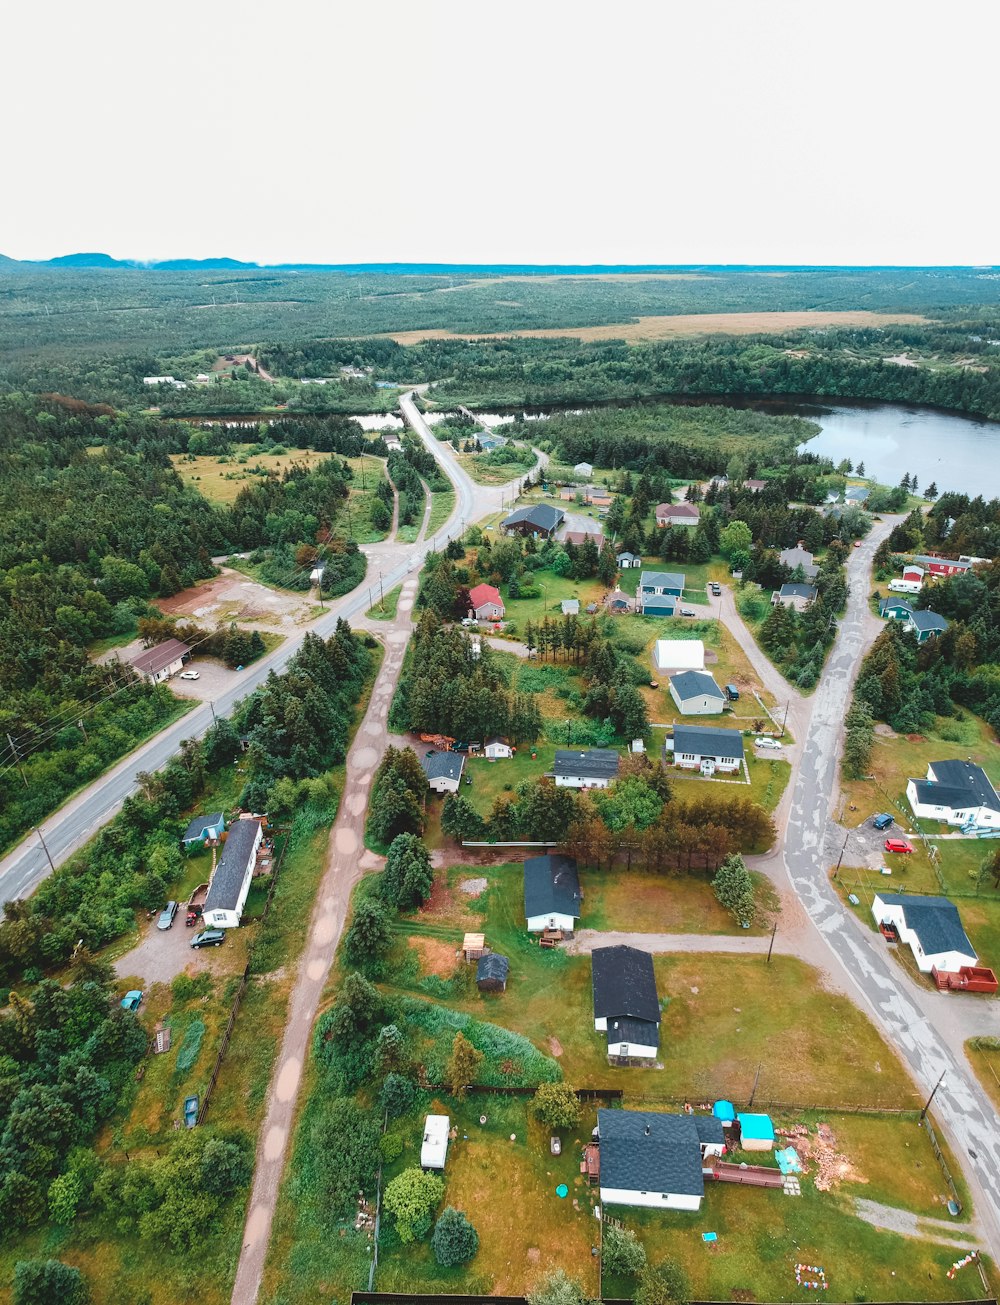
x=83 y=729
x=785 y=720
x=770 y=946
x=214 y=717
x=756 y=1080
x=927 y=1106
x=17 y=759
x=842 y=851
x=53 y=868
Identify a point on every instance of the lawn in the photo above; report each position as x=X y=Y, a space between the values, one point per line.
x=523 y=1234
x=386 y=609
x=485 y=472
x=801 y=1042
x=985 y=1062
x=442 y=506
x=762 y=1235
x=552 y=590
x=644 y=902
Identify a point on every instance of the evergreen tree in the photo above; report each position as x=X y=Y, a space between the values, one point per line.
x=734 y=889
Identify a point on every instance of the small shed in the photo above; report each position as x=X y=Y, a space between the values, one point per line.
x=498 y=749
x=474 y=946
x=724 y=1111
x=434 y=1148
x=491 y=973
x=570 y=607
x=757 y=1132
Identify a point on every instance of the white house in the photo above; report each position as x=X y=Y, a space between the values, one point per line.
x=161 y=661
x=551 y=893
x=679 y=655
x=229 y=885
x=697 y=694
x=957 y=793
x=656 y=1160
x=434 y=1147
x=498 y=750
x=626 y=1004
x=443 y=770
x=930 y=926
x=706 y=748
x=583 y=469
x=596 y=768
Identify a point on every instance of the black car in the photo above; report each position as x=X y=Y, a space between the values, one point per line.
x=882 y=821
x=209 y=938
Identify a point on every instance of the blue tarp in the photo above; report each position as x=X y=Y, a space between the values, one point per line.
x=757 y=1127
x=724 y=1110
x=788 y=1160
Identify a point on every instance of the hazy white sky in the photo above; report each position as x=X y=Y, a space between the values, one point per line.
x=457 y=131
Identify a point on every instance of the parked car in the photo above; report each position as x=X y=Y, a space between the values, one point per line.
x=732 y=693
x=897 y=845
x=209 y=938
x=882 y=820
x=468 y=621
x=190 y=675
x=767 y=743
x=688 y=611
x=167 y=916
x=131 y=1000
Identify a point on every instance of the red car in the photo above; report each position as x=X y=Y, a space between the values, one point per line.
x=897 y=845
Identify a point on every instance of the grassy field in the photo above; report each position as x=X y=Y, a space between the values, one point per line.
x=645 y=902
x=442 y=506
x=485 y=472
x=220 y=479
x=986 y=1065
x=386 y=611
x=839 y=1058
x=665 y=327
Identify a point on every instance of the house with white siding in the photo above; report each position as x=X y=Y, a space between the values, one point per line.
x=930 y=926
x=654 y=1159
x=955 y=793
x=594 y=768
x=230 y=883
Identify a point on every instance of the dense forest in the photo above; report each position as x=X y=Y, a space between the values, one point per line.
x=95 y=524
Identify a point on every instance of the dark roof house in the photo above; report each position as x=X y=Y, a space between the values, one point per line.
x=156 y=659
x=645 y=1151
x=540 y=517
x=708 y=741
x=227 y=883
x=624 y=984
x=551 y=886
x=595 y=763
x=693 y=684
x=442 y=765
x=934 y=920
x=492 y=970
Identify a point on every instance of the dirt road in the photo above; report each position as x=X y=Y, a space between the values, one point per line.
x=345 y=866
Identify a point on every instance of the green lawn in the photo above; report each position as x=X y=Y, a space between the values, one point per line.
x=442 y=506
x=986 y=1065
x=756 y=1011
x=386 y=610
x=644 y=902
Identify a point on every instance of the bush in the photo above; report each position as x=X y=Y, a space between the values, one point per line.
x=412 y=1198
x=666 y=1284
x=623 y=1254
x=556 y=1105
x=455 y=1241
x=186 y=988
x=49 y=1282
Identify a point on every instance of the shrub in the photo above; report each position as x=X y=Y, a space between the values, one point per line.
x=49 y=1282
x=412 y=1198
x=556 y=1105
x=455 y=1241
x=623 y=1254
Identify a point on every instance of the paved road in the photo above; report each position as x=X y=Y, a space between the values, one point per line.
x=67 y=829
x=345 y=866
x=920 y=1030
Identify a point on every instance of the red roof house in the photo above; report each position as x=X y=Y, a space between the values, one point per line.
x=486 y=603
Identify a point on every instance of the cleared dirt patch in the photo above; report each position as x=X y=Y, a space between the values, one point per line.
x=435 y=957
x=232 y=596
x=666 y=326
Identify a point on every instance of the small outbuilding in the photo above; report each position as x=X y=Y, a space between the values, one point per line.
x=679 y=655
x=205 y=829
x=434 y=1147
x=570 y=607
x=626 y=561
x=756 y=1131
x=497 y=749
x=491 y=972
x=474 y=946
x=583 y=469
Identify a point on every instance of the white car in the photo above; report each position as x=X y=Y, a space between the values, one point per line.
x=189 y=675
x=767 y=743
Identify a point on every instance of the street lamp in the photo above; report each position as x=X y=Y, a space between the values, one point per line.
x=927 y=1106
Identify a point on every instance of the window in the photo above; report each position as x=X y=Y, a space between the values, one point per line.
x=688 y=756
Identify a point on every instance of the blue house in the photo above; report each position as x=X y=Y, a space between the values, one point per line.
x=202 y=829
x=659 y=592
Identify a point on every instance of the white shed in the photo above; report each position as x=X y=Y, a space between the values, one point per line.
x=679 y=655
x=497 y=749
x=434 y=1148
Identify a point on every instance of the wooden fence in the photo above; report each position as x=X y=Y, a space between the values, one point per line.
x=427 y=1298
x=584 y=1094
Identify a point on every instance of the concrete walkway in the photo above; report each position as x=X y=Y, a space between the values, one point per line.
x=343 y=870
x=908 y=1224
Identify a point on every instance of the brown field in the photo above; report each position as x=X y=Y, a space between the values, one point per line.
x=664 y=327
x=221 y=479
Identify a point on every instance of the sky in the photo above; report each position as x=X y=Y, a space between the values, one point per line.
x=722 y=131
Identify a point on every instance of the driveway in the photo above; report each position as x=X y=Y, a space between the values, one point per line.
x=214 y=679
x=163 y=954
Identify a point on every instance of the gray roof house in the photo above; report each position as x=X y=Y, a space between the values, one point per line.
x=228 y=887
x=795 y=557
x=625 y=561
x=925 y=624
x=658 y=592
x=957 y=793
x=856 y=494
x=551 y=892
x=696 y=694
x=794 y=595
x=593 y=768
x=537 y=519
x=443 y=770
x=707 y=747
x=653 y=1159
